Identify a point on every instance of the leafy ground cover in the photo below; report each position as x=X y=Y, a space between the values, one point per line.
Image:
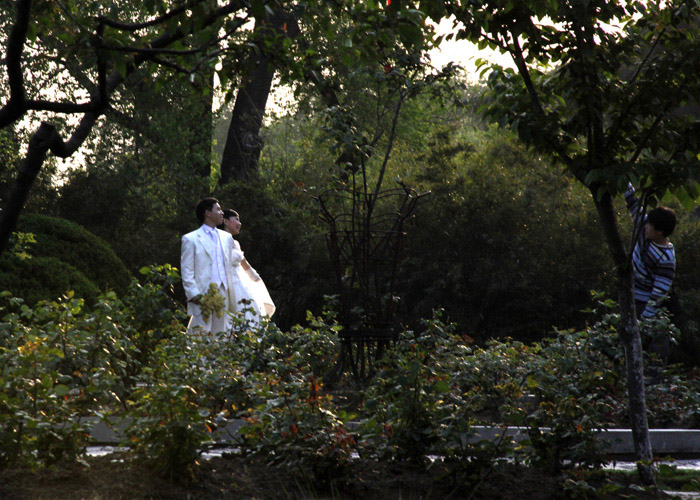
x=130 y=359
x=252 y=478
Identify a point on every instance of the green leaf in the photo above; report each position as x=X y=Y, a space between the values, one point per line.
x=31 y=32
x=61 y=390
x=593 y=175
x=120 y=66
x=441 y=387
x=411 y=35
x=47 y=381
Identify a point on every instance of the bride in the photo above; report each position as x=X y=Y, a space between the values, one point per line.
x=252 y=297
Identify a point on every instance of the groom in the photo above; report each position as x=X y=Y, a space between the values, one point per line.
x=205 y=259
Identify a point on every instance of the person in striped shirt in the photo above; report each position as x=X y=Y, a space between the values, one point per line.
x=653 y=261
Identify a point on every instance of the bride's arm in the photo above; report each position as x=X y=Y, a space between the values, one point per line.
x=249 y=269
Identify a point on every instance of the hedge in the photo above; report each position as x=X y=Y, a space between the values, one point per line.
x=74 y=245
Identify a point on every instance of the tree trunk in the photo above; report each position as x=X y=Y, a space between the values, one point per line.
x=629 y=332
x=45 y=138
x=243 y=142
x=200 y=145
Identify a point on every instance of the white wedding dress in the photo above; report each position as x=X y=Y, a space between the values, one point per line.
x=257 y=302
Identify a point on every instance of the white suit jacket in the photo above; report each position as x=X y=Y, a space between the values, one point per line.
x=196 y=256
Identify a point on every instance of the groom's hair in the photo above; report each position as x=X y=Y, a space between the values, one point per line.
x=203 y=206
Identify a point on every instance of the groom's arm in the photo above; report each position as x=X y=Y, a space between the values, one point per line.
x=187 y=253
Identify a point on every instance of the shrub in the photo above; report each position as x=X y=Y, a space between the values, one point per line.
x=686 y=240
x=290 y=419
x=59 y=362
x=504 y=243
x=153 y=313
x=296 y=425
x=578 y=390
x=43 y=278
x=169 y=421
x=405 y=404
x=74 y=245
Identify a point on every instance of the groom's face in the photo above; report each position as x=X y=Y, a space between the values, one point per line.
x=215 y=215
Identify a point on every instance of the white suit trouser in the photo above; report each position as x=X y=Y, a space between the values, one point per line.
x=214 y=324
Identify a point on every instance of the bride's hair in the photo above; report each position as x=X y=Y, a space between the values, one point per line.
x=228 y=213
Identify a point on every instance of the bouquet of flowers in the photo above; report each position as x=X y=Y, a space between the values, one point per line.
x=212 y=302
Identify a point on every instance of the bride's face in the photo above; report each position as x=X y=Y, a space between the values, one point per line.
x=233 y=225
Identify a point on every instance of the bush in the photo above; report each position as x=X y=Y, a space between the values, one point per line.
x=43 y=278
x=59 y=362
x=170 y=422
x=290 y=418
x=505 y=243
x=74 y=245
x=686 y=240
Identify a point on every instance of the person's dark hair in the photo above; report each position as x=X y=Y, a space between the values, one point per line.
x=663 y=219
x=228 y=213
x=203 y=206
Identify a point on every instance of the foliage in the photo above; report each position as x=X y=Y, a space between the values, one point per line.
x=9 y=157
x=131 y=363
x=463 y=252
x=408 y=405
x=290 y=418
x=151 y=315
x=169 y=422
x=424 y=404
x=188 y=383
x=151 y=302
x=568 y=87
x=686 y=241
x=53 y=256
x=66 y=241
x=43 y=278
x=575 y=387
x=140 y=186
x=44 y=195
x=60 y=363
x=515 y=267
x=295 y=424
x=610 y=106
x=535 y=253
x=63 y=362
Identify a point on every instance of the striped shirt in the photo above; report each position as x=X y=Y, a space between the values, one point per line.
x=654 y=265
